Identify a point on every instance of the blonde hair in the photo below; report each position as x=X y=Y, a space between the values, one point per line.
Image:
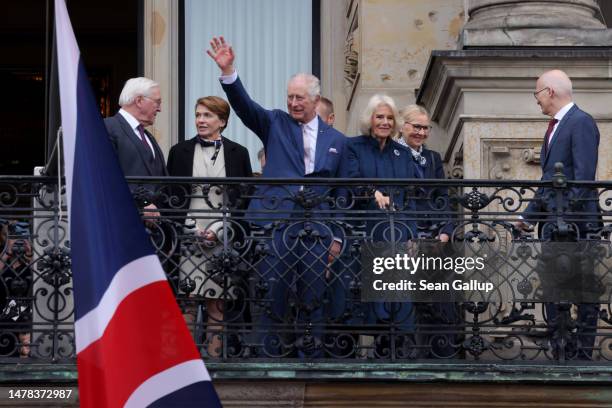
x=410 y=112
x=365 y=122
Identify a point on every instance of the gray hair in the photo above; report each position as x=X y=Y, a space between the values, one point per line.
x=365 y=121
x=313 y=85
x=135 y=87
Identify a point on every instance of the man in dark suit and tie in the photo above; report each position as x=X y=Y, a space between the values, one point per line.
x=297 y=144
x=140 y=156
x=571 y=138
x=137 y=151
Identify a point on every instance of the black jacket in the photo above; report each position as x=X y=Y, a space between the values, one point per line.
x=237 y=164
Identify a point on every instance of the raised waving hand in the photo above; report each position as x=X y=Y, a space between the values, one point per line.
x=223 y=54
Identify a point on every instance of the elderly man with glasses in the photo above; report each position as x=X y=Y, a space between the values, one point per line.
x=571 y=138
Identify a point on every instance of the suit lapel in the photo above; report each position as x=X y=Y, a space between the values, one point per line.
x=186 y=159
x=159 y=155
x=138 y=145
x=228 y=151
x=559 y=132
x=543 y=155
x=430 y=169
x=399 y=159
x=299 y=141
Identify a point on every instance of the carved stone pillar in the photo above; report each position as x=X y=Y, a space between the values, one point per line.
x=482 y=103
x=161 y=31
x=534 y=23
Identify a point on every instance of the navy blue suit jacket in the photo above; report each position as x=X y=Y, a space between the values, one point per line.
x=434 y=199
x=363 y=159
x=575 y=143
x=284 y=145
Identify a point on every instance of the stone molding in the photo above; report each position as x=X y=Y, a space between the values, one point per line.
x=508 y=14
x=532 y=23
x=476 y=94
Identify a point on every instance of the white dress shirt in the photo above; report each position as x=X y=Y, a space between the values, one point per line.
x=309 y=132
x=229 y=79
x=133 y=122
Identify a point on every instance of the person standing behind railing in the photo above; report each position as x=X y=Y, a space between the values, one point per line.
x=137 y=150
x=428 y=164
x=376 y=155
x=15 y=289
x=209 y=154
x=139 y=155
x=297 y=144
x=431 y=203
x=572 y=138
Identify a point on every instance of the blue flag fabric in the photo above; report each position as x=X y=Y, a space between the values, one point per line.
x=133 y=346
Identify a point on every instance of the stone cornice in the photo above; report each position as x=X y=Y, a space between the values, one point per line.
x=450 y=73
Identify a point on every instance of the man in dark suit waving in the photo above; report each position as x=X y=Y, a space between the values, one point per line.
x=138 y=152
x=297 y=144
x=571 y=138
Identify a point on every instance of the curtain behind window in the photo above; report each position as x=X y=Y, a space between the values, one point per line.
x=272 y=40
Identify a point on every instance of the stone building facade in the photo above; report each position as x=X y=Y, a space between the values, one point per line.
x=472 y=63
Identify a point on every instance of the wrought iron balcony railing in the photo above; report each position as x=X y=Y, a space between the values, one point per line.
x=249 y=261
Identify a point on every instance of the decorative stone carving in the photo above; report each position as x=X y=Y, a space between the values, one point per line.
x=351 y=59
x=504 y=159
x=501 y=159
x=457 y=168
x=531 y=156
x=352 y=46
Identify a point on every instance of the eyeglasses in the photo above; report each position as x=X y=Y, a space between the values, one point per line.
x=156 y=101
x=419 y=128
x=535 y=94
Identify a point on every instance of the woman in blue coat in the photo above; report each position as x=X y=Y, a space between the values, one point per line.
x=431 y=203
x=432 y=207
x=376 y=155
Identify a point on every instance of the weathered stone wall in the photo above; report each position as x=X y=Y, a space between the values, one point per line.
x=384 y=47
